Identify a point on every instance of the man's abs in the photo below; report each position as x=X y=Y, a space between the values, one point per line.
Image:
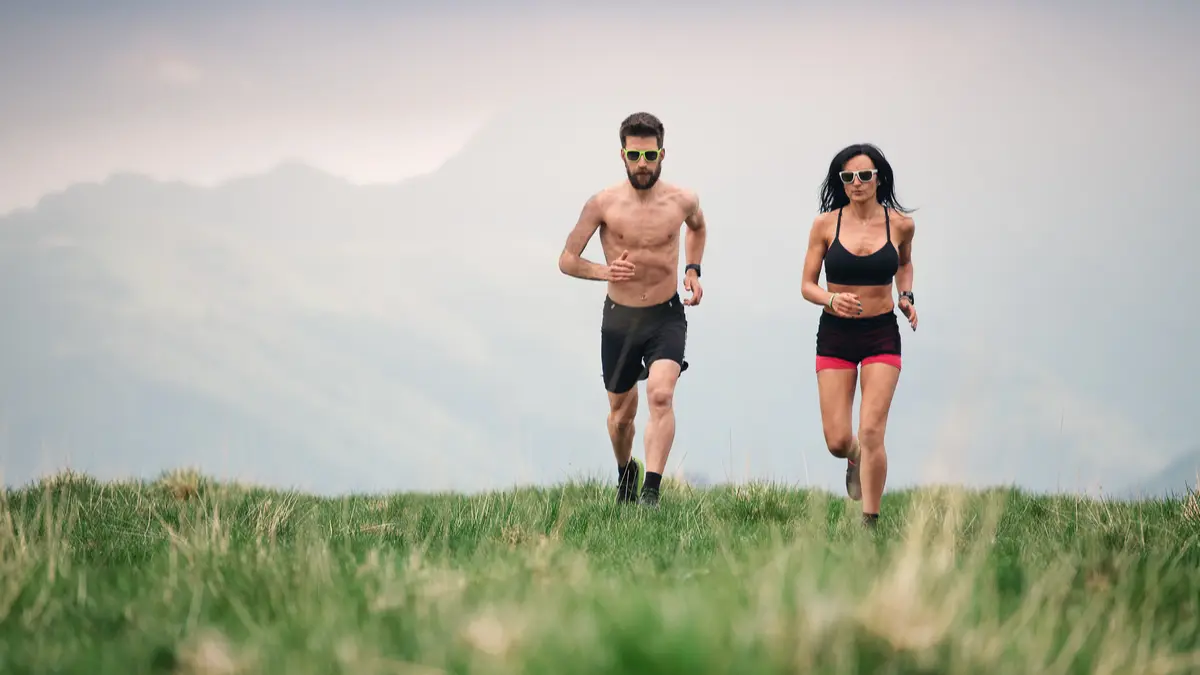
x=653 y=279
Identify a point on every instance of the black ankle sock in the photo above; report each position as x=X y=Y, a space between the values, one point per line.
x=652 y=481
x=870 y=518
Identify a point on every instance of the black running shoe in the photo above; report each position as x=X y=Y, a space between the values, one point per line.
x=649 y=498
x=630 y=484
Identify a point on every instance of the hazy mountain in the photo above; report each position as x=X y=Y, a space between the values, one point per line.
x=154 y=325
x=1176 y=479
x=294 y=328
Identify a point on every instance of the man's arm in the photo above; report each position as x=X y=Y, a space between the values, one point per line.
x=697 y=232
x=569 y=261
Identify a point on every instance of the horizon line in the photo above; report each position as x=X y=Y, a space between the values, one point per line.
x=276 y=167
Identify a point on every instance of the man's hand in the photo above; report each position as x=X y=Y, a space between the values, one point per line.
x=621 y=269
x=691 y=282
x=909 y=311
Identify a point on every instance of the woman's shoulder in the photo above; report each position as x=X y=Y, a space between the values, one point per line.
x=902 y=223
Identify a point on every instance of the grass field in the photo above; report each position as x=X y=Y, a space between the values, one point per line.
x=187 y=576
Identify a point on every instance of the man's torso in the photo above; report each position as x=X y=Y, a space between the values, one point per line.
x=649 y=229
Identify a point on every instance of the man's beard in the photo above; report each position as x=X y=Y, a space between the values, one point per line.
x=637 y=184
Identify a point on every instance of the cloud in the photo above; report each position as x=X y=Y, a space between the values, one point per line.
x=1039 y=428
x=179 y=73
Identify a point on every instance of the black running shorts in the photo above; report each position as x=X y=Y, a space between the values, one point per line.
x=631 y=338
x=847 y=343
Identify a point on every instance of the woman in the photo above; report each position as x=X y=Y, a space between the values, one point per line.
x=864 y=238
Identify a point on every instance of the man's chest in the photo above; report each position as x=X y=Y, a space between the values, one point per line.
x=644 y=224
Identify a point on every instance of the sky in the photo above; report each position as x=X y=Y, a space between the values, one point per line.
x=1046 y=148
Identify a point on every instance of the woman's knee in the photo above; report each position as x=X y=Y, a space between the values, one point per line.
x=870 y=436
x=839 y=442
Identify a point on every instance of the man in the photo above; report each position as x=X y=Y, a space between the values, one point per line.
x=643 y=330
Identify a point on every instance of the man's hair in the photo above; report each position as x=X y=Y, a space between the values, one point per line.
x=642 y=124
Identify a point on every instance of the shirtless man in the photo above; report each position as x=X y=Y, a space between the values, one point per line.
x=643 y=329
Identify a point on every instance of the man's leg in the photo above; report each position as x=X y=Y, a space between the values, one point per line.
x=664 y=363
x=660 y=429
x=630 y=471
x=620 y=360
x=879 y=379
x=622 y=409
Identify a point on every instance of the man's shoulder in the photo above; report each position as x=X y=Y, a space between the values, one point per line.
x=612 y=193
x=601 y=199
x=685 y=196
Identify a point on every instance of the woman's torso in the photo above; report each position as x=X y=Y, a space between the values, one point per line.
x=862 y=258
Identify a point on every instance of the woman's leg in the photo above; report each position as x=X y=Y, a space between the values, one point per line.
x=879 y=378
x=835 y=385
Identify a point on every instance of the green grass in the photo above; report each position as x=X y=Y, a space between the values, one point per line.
x=184 y=575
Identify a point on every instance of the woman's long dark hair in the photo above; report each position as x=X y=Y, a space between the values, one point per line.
x=833 y=193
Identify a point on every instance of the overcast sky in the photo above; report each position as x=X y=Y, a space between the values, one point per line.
x=202 y=92
x=1059 y=138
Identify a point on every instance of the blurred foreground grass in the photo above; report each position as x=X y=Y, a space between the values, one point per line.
x=188 y=576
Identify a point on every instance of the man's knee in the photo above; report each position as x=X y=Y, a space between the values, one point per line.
x=661 y=398
x=619 y=427
x=660 y=387
x=622 y=408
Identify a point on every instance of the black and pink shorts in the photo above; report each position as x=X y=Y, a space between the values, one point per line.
x=846 y=343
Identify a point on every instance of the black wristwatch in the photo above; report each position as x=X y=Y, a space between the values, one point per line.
x=692 y=266
x=908 y=294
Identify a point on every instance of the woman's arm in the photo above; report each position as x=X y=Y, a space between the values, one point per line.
x=904 y=275
x=842 y=304
x=809 y=288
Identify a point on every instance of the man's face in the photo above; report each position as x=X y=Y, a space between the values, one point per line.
x=643 y=161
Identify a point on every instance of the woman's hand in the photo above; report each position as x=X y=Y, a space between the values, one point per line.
x=846 y=305
x=910 y=312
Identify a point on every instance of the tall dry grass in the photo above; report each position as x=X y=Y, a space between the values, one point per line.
x=189 y=576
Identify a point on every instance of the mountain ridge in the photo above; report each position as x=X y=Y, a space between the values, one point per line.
x=419 y=334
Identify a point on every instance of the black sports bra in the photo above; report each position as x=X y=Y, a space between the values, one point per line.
x=875 y=269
